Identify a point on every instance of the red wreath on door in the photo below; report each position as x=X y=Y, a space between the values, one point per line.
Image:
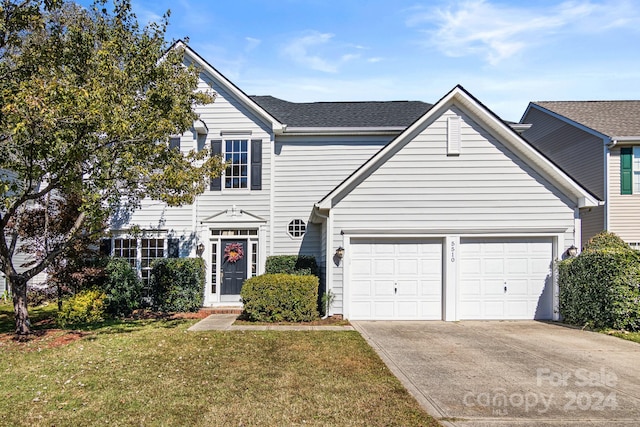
x=233 y=252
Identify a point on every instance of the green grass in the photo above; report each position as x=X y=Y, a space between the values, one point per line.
x=155 y=373
x=630 y=336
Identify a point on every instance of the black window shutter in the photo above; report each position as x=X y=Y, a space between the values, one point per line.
x=174 y=144
x=256 y=164
x=173 y=248
x=216 y=150
x=105 y=247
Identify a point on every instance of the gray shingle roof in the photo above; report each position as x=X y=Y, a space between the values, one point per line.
x=611 y=118
x=343 y=114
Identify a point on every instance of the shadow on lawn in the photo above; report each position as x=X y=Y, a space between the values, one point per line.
x=43 y=318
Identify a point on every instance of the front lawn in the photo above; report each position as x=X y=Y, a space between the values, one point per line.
x=630 y=336
x=154 y=372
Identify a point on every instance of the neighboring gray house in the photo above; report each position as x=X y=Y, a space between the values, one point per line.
x=598 y=144
x=412 y=210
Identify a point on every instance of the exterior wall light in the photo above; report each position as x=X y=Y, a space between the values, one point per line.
x=200 y=249
x=340 y=252
x=572 y=251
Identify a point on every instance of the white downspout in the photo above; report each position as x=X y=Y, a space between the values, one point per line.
x=327 y=254
x=607 y=191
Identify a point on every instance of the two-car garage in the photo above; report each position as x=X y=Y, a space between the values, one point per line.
x=491 y=278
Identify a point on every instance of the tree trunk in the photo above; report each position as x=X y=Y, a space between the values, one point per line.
x=19 y=291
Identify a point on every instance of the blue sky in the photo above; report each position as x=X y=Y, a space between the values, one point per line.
x=506 y=53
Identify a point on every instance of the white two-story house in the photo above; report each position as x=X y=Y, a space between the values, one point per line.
x=412 y=210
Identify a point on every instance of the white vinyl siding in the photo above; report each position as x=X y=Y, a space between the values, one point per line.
x=623 y=209
x=487 y=189
x=306 y=169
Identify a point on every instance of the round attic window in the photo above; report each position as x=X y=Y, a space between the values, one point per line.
x=297 y=228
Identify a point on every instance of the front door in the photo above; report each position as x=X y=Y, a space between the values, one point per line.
x=234 y=266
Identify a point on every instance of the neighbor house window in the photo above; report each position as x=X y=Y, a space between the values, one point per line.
x=297 y=228
x=630 y=170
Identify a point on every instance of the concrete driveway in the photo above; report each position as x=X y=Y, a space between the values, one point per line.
x=512 y=373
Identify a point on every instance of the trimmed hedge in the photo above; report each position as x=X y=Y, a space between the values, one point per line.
x=292 y=264
x=600 y=288
x=123 y=288
x=280 y=298
x=177 y=284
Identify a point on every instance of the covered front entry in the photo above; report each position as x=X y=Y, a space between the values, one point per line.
x=506 y=278
x=233 y=271
x=398 y=279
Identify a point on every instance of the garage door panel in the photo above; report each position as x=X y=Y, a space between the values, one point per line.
x=493 y=266
x=469 y=288
x=518 y=288
x=404 y=275
x=407 y=288
x=361 y=309
x=523 y=265
x=383 y=266
x=471 y=266
x=518 y=266
x=431 y=288
x=362 y=288
x=407 y=267
x=361 y=267
x=383 y=287
x=384 y=309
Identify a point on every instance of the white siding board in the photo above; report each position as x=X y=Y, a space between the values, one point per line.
x=420 y=188
x=306 y=169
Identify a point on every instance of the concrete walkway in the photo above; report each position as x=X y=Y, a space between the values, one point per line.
x=512 y=373
x=224 y=322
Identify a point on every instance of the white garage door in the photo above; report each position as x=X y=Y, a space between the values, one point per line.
x=506 y=278
x=395 y=279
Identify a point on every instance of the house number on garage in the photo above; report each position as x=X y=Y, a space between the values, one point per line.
x=453 y=251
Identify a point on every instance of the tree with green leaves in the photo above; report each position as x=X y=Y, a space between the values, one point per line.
x=88 y=101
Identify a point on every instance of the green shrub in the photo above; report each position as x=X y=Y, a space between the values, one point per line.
x=292 y=264
x=606 y=240
x=177 y=284
x=87 y=306
x=280 y=298
x=122 y=287
x=600 y=288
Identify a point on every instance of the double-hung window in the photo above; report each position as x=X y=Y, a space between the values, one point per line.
x=236 y=156
x=630 y=170
x=243 y=159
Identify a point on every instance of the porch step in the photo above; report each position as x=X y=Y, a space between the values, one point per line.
x=222 y=310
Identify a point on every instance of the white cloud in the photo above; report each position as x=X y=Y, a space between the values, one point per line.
x=300 y=49
x=497 y=31
x=318 y=51
x=252 y=43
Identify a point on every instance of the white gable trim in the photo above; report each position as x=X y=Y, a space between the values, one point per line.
x=192 y=55
x=459 y=97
